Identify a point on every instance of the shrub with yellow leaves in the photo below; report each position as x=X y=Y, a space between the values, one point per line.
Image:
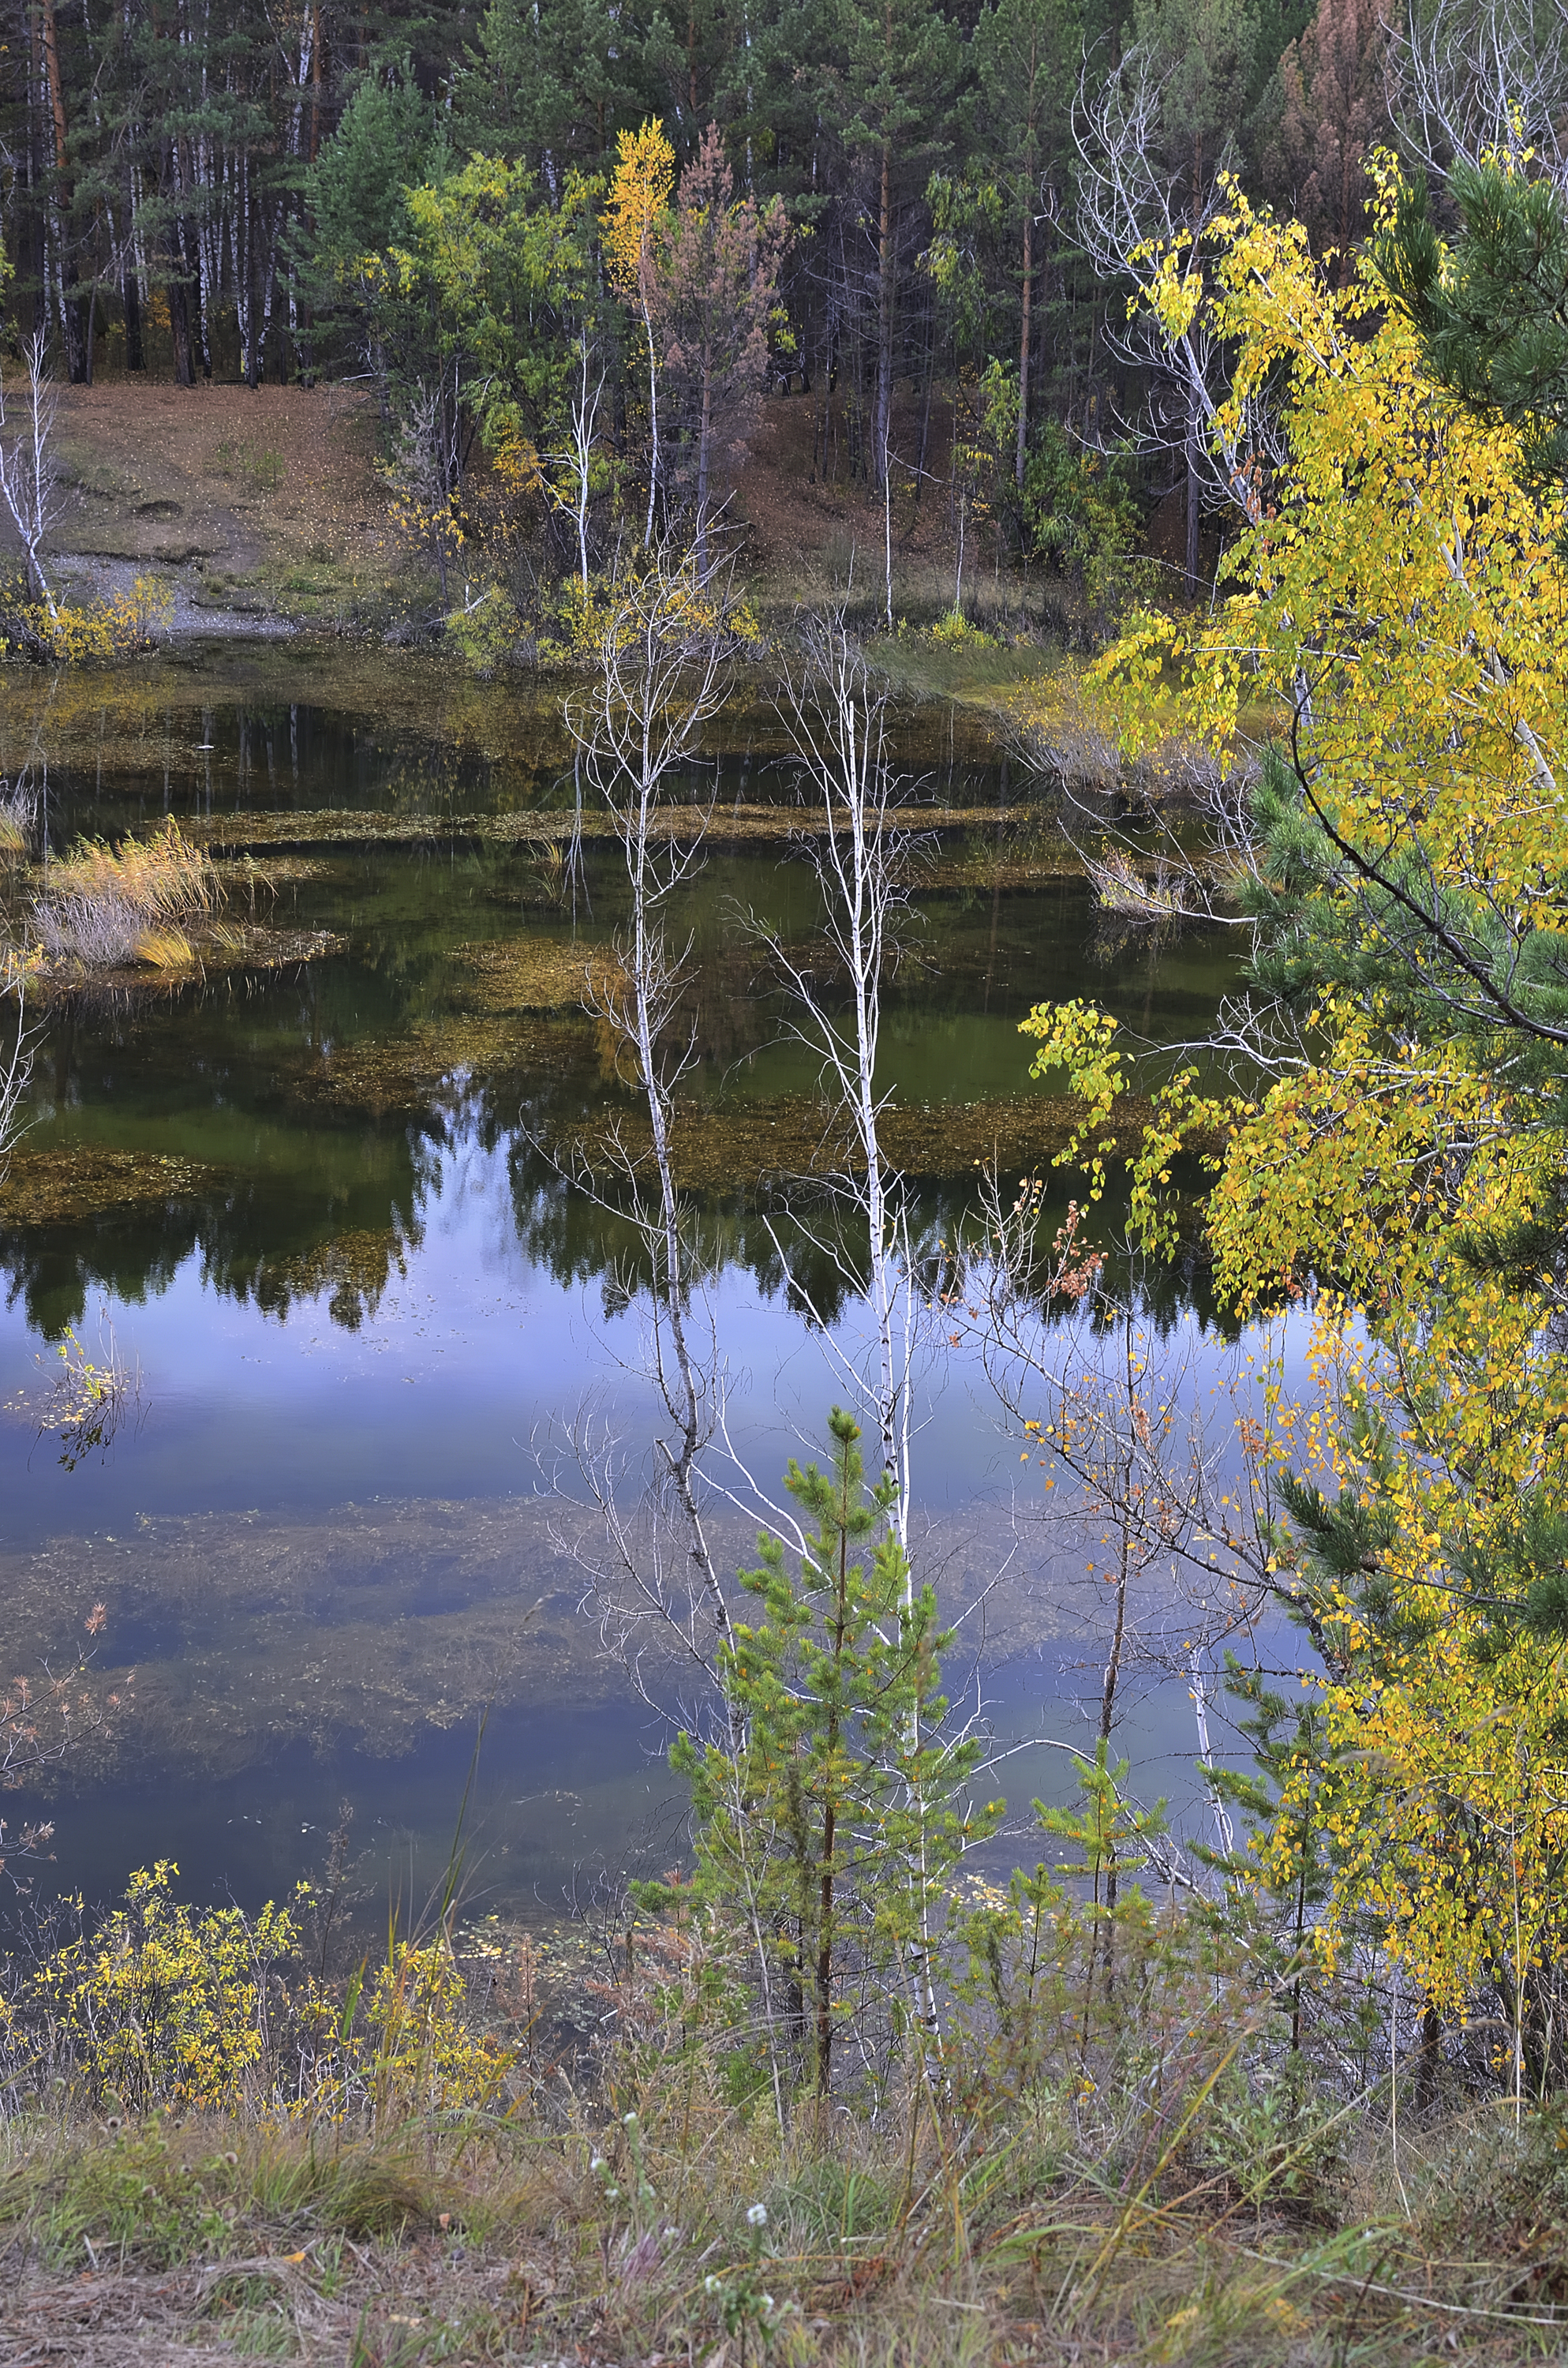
x=165 y=2004
x=1397 y=604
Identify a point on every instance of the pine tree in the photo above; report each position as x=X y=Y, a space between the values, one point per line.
x=892 y=87
x=1492 y=317
x=713 y=302
x=1025 y=54
x=1334 y=109
x=834 y=1831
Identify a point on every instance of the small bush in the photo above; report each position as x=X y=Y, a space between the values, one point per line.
x=955 y=632
x=164 y=2005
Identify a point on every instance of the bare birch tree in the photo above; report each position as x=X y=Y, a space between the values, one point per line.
x=574 y=494
x=1469 y=78
x=1134 y=215
x=30 y=478
x=661 y=669
x=836 y=726
x=16 y=1070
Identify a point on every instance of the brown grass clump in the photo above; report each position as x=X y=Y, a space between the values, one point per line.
x=103 y=907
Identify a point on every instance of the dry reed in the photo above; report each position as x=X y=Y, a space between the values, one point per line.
x=103 y=907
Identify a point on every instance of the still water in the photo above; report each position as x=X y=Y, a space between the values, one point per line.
x=319 y=1210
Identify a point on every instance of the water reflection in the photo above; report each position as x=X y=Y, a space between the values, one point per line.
x=333 y=1214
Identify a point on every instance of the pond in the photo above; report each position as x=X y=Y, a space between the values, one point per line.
x=322 y=1211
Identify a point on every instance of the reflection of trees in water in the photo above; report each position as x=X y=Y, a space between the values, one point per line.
x=266 y=1242
x=277 y=1240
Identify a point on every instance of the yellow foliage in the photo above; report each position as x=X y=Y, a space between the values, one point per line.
x=163 y=878
x=639 y=195
x=646 y=599
x=1400 y=595
x=119 y=627
x=167 y=2005
x=165 y=948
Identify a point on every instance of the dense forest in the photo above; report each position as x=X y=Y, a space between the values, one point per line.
x=474 y=208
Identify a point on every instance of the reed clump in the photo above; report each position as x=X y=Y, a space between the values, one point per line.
x=101 y=907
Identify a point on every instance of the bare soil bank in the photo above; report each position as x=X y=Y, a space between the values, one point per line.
x=262 y=509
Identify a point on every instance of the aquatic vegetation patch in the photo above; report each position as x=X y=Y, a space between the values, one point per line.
x=401 y=1073
x=536 y=974
x=170 y=960
x=721 y=1150
x=365 y=1629
x=244 y=874
x=720 y=826
x=87 y=1397
x=68 y=1183
x=1009 y=865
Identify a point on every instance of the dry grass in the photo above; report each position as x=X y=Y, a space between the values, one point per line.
x=1133 y=2174
x=100 y=907
x=103 y=914
x=924 y=2244
x=18 y=816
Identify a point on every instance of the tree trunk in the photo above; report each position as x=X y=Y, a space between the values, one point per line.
x=179 y=310
x=130 y=289
x=884 y=314
x=75 y=355
x=1025 y=341
x=1192 y=508
x=704 y=441
x=37 y=234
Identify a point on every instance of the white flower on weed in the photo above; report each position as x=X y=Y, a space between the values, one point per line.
x=628 y=2121
x=598 y=2163
x=758 y=2215
x=711 y=2285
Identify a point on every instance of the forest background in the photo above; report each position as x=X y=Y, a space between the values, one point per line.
x=495 y=218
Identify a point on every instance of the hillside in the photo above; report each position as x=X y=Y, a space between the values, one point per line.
x=262 y=509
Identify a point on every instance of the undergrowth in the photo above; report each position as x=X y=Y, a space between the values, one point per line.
x=475 y=2143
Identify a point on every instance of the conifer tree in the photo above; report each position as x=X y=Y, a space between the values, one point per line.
x=1334 y=110
x=835 y=1829
x=1024 y=52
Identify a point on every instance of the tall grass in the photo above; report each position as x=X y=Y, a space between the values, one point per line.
x=103 y=907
